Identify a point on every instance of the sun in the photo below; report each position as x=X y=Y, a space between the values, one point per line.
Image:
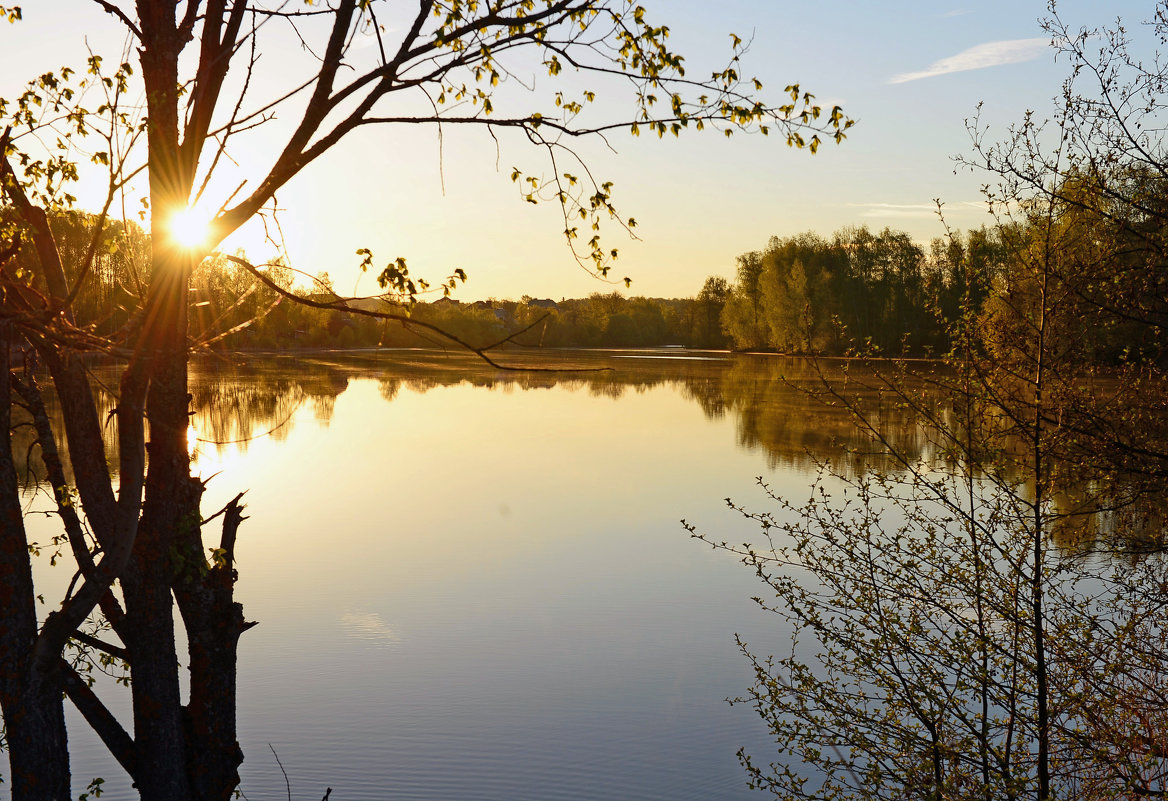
x=190 y=227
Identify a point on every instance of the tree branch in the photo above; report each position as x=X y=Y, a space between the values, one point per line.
x=340 y=305
x=100 y=719
x=30 y=392
x=115 y=651
x=110 y=8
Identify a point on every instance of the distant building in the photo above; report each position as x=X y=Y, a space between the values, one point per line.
x=544 y=303
x=446 y=302
x=501 y=314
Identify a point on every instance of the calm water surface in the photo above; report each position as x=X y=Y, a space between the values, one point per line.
x=472 y=584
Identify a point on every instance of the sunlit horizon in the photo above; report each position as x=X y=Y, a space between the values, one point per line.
x=911 y=77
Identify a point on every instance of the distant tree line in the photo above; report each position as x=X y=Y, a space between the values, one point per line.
x=599 y=320
x=883 y=291
x=230 y=309
x=806 y=294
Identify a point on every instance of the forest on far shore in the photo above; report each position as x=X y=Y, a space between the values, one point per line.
x=857 y=291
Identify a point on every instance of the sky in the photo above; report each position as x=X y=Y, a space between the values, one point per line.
x=910 y=73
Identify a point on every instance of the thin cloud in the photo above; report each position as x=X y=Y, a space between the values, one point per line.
x=978 y=57
x=912 y=210
x=959 y=12
x=895 y=209
x=896 y=214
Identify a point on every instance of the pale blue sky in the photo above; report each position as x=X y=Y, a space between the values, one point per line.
x=909 y=72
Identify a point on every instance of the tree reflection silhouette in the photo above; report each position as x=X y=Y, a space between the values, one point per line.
x=781 y=406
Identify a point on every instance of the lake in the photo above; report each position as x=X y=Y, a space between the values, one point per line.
x=473 y=583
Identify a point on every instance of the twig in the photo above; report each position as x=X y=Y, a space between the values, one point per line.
x=287 y=783
x=101 y=645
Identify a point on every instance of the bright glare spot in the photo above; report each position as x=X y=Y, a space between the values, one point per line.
x=190 y=227
x=209 y=458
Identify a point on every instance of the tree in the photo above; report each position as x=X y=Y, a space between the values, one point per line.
x=798 y=303
x=708 y=309
x=1101 y=163
x=742 y=314
x=987 y=623
x=807 y=294
x=139 y=541
x=1095 y=175
x=952 y=635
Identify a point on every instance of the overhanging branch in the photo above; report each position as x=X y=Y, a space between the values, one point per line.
x=342 y=306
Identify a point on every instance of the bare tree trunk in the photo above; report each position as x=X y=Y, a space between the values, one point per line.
x=31 y=699
x=170 y=507
x=1038 y=566
x=157 y=703
x=170 y=502
x=38 y=750
x=213 y=622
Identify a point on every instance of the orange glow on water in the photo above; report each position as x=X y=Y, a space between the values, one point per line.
x=208 y=457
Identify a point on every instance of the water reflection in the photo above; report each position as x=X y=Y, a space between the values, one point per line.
x=799 y=413
x=235 y=402
x=770 y=399
x=480 y=588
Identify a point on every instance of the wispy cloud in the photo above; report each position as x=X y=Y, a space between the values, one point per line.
x=990 y=54
x=907 y=210
x=957 y=12
x=895 y=209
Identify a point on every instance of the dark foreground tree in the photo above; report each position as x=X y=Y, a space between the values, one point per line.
x=140 y=540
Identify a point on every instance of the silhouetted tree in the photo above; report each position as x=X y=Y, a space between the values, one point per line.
x=139 y=541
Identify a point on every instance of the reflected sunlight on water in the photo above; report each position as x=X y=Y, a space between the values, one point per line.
x=368 y=626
